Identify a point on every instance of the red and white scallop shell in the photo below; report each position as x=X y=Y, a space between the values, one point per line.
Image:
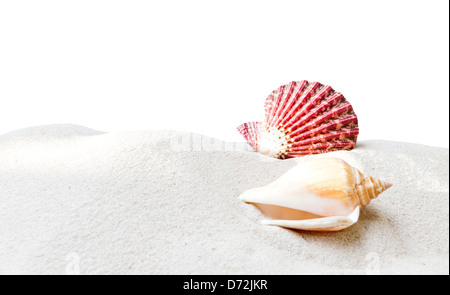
x=303 y=118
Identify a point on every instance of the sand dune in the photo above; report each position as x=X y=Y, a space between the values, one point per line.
x=76 y=200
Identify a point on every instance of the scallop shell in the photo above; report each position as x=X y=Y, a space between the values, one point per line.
x=321 y=194
x=303 y=118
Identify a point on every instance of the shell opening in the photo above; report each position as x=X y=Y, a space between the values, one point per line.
x=284 y=213
x=332 y=223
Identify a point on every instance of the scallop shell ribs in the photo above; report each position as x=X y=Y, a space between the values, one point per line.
x=303 y=118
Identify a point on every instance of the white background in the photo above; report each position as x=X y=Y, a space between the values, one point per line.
x=207 y=66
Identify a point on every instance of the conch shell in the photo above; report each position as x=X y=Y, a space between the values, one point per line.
x=323 y=194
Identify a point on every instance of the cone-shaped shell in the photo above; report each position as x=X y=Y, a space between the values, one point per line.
x=320 y=194
x=303 y=118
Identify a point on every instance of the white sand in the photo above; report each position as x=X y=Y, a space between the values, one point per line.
x=77 y=200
